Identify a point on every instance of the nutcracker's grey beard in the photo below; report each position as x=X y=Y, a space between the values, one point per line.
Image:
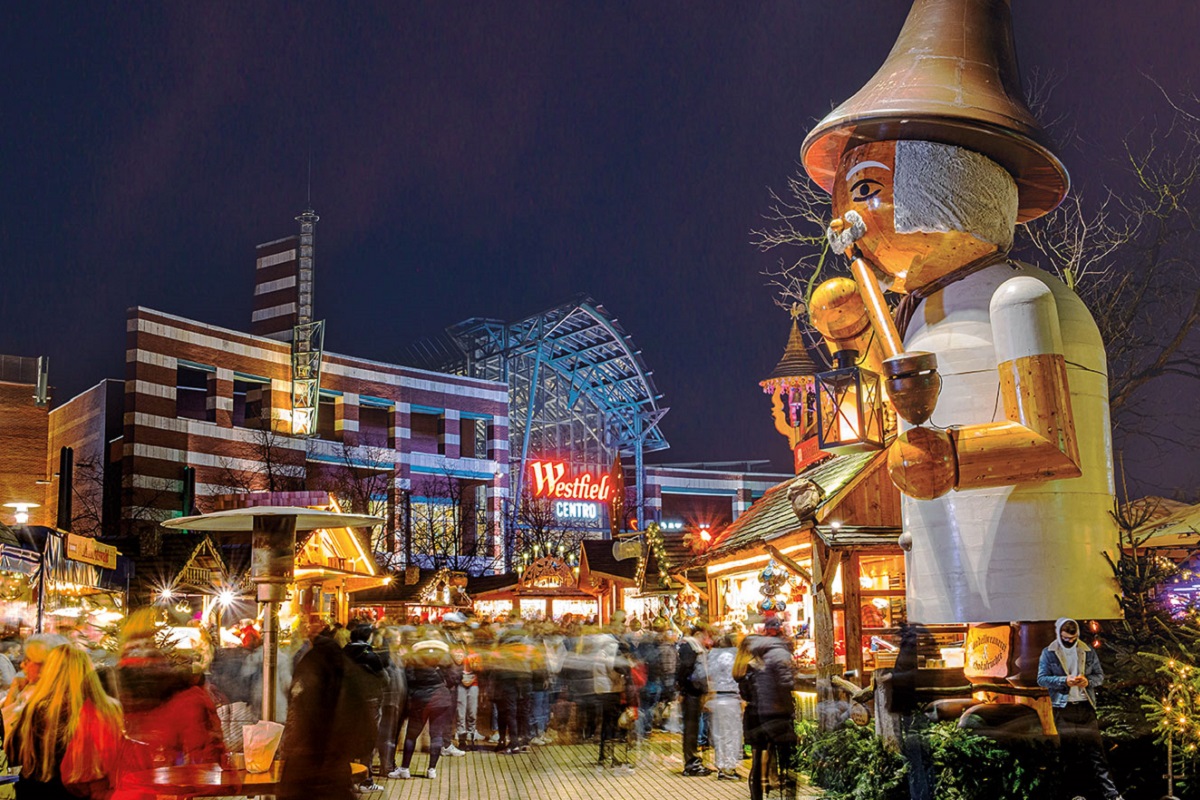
x=940 y=188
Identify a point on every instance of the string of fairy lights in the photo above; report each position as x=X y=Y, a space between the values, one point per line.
x=1178 y=713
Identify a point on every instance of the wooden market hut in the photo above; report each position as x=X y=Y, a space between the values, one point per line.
x=425 y=593
x=667 y=567
x=851 y=520
x=549 y=585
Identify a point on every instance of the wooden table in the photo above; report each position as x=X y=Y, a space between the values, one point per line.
x=211 y=780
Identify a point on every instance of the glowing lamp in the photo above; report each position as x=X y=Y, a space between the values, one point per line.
x=850 y=407
x=225 y=597
x=21 y=511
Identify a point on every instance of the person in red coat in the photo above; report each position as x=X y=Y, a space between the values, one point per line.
x=170 y=718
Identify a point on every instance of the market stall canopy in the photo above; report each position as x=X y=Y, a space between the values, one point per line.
x=1179 y=528
x=549 y=577
x=440 y=588
x=242 y=519
x=22 y=548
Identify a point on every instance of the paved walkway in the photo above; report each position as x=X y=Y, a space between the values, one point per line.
x=567 y=772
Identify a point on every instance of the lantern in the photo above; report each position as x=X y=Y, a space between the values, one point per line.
x=850 y=407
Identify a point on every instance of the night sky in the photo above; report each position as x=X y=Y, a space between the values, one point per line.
x=476 y=160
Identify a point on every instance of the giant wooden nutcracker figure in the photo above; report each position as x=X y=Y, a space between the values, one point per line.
x=999 y=378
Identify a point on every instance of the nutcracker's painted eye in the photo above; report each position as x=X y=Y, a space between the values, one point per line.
x=865 y=189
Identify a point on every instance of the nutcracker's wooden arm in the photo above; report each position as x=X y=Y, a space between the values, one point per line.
x=1036 y=440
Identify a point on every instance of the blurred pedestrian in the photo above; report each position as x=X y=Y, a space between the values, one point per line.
x=35 y=650
x=725 y=706
x=429 y=704
x=369 y=673
x=768 y=683
x=67 y=738
x=905 y=704
x=324 y=718
x=248 y=634
x=610 y=680
x=395 y=695
x=467 y=696
x=691 y=682
x=169 y=716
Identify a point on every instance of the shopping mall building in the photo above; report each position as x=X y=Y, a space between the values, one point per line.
x=557 y=410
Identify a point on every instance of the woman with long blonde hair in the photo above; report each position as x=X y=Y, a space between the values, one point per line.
x=69 y=734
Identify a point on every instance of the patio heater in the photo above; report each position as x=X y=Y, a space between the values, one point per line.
x=272 y=532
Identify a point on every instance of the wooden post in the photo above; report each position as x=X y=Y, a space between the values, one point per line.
x=852 y=614
x=887 y=722
x=823 y=565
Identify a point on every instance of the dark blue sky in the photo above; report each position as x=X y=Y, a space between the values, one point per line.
x=486 y=159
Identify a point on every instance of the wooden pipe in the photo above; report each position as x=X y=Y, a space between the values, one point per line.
x=877 y=308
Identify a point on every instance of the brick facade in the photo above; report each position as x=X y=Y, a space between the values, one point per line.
x=237 y=438
x=25 y=428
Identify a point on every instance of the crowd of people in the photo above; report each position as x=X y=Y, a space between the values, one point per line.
x=374 y=691
x=505 y=686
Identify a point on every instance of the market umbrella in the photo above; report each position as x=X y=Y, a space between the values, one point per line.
x=272 y=532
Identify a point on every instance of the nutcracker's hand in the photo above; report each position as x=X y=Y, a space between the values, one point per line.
x=922 y=463
x=913 y=384
x=843 y=232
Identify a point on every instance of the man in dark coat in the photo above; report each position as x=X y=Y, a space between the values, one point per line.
x=774 y=679
x=325 y=713
x=691 y=681
x=373 y=678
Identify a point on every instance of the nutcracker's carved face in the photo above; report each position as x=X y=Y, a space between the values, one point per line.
x=910 y=236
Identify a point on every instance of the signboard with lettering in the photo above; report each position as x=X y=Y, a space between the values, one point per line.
x=579 y=497
x=987 y=650
x=89 y=551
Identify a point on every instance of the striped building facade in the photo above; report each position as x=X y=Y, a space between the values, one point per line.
x=219 y=401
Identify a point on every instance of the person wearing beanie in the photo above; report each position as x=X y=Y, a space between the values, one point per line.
x=1070 y=671
x=428 y=674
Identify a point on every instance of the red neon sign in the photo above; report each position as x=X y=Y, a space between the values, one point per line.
x=548 y=482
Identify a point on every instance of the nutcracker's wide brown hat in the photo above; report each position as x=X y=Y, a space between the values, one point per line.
x=951 y=78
